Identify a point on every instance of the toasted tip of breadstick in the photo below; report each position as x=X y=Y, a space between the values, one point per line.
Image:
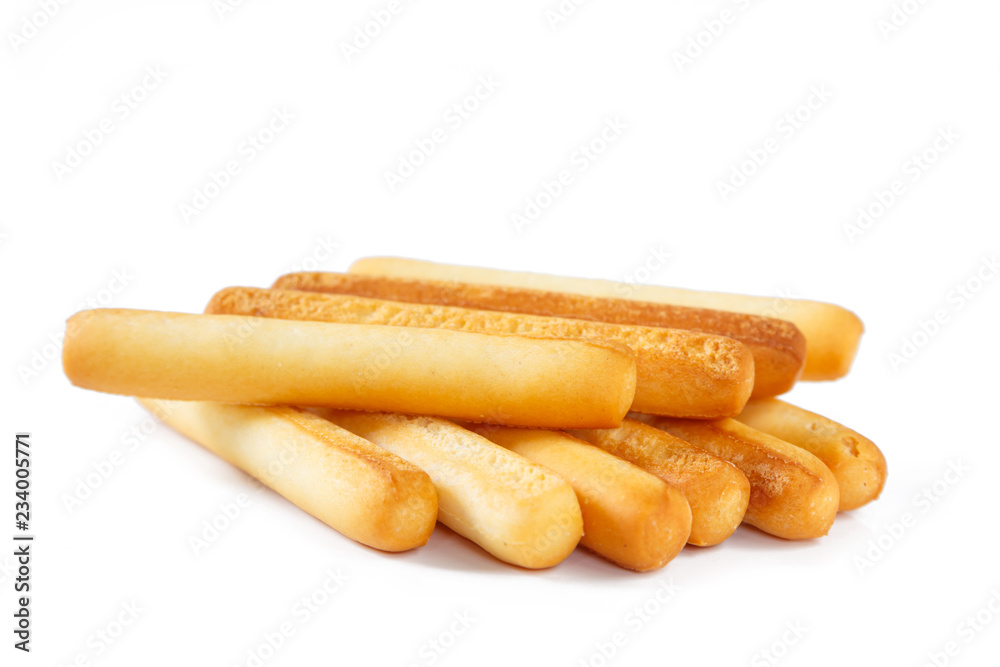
x=793 y=494
x=630 y=517
x=856 y=462
x=717 y=492
x=516 y=510
x=360 y=490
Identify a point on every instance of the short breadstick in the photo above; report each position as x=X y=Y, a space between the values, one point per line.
x=360 y=490
x=832 y=333
x=717 y=492
x=678 y=373
x=778 y=347
x=506 y=379
x=629 y=516
x=792 y=493
x=855 y=461
x=516 y=510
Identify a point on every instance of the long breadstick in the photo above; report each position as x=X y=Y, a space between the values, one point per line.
x=717 y=492
x=792 y=493
x=832 y=333
x=629 y=516
x=678 y=373
x=506 y=379
x=778 y=347
x=512 y=508
x=856 y=462
x=360 y=490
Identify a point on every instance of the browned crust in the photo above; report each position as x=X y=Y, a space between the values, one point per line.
x=778 y=347
x=716 y=490
x=364 y=492
x=857 y=463
x=793 y=494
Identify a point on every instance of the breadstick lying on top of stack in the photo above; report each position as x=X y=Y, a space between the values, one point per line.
x=230 y=359
x=678 y=373
x=832 y=333
x=778 y=347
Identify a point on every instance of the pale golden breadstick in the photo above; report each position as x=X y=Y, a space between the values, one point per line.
x=717 y=492
x=792 y=493
x=507 y=379
x=778 y=347
x=629 y=516
x=855 y=461
x=832 y=333
x=678 y=373
x=516 y=510
x=360 y=490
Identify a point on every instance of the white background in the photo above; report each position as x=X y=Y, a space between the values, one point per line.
x=114 y=224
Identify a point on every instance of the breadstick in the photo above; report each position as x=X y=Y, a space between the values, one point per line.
x=516 y=510
x=792 y=493
x=508 y=379
x=629 y=516
x=346 y=482
x=778 y=347
x=855 y=461
x=679 y=373
x=832 y=333
x=717 y=492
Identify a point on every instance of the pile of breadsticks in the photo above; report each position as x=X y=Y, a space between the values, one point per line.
x=405 y=393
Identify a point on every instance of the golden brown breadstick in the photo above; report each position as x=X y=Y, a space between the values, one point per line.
x=778 y=347
x=360 y=490
x=717 y=492
x=832 y=333
x=516 y=510
x=792 y=493
x=679 y=373
x=855 y=461
x=507 y=379
x=629 y=516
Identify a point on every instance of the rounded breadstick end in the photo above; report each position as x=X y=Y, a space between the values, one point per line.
x=793 y=494
x=360 y=490
x=856 y=462
x=717 y=493
x=630 y=517
x=544 y=533
x=668 y=526
x=833 y=339
x=516 y=510
x=710 y=377
x=777 y=369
